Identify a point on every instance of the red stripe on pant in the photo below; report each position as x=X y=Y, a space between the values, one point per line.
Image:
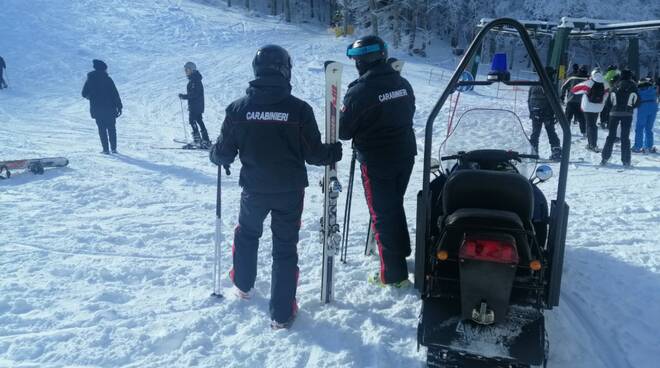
x=374 y=218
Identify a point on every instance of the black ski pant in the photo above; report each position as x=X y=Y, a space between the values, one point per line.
x=538 y=122
x=285 y=212
x=385 y=184
x=605 y=114
x=107 y=131
x=198 y=126
x=592 y=128
x=573 y=110
x=626 y=123
x=3 y=84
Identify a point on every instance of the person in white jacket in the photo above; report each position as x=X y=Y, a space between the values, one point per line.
x=595 y=92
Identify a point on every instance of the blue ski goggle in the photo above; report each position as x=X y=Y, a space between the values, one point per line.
x=359 y=51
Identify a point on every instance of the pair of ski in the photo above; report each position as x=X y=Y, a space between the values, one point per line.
x=333 y=242
x=188 y=146
x=35 y=165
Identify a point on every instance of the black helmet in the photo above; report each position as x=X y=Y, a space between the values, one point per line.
x=550 y=71
x=367 y=52
x=584 y=71
x=272 y=60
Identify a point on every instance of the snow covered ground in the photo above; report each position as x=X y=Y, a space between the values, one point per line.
x=108 y=262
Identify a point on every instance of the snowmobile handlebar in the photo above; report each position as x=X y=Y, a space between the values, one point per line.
x=489 y=155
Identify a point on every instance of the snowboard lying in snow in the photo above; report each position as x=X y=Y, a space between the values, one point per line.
x=34 y=165
x=192 y=145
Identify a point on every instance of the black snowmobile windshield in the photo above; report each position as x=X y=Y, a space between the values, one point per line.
x=487 y=129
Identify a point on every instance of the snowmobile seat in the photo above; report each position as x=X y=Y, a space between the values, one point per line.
x=486 y=200
x=490 y=190
x=475 y=216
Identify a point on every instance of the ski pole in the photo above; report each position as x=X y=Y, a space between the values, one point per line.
x=183 y=121
x=218 y=234
x=347 y=210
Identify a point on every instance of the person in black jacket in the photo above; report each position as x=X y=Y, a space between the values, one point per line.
x=104 y=104
x=274 y=134
x=3 y=66
x=195 y=97
x=573 y=109
x=624 y=98
x=542 y=115
x=377 y=114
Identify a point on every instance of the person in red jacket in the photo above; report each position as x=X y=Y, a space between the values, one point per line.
x=595 y=92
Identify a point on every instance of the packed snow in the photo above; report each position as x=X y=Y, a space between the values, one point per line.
x=108 y=262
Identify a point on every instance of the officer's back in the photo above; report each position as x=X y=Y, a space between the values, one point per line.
x=378 y=113
x=274 y=134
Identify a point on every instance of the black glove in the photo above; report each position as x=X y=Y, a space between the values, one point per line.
x=336 y=151
x=214 y=155
x=181 y=96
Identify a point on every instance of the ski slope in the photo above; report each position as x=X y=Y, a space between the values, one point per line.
x=107 y=263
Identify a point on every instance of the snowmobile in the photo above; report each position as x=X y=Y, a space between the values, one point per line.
x=489 y=249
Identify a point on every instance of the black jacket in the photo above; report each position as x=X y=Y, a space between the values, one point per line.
x=378 y=115
x=100 y=90
x=624 y=98
x=274 y=134
x=195 y=93
x=538 y=104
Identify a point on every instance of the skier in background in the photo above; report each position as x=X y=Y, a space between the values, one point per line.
x=274 y=134
x=646 y=115
x=377 y=114
x=3 y=66
x=611 y=76
x=104 y=104
x=542 y=115
x=195 y=96
x=595 y=91
x=572 y=100
x=625 y=99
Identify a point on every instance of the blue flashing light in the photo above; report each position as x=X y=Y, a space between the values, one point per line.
x=499 y=63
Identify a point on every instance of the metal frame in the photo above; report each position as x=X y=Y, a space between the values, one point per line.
x=556 y=232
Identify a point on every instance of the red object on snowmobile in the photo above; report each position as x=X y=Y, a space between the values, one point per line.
x=490 y=249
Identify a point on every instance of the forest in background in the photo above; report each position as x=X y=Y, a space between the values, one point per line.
x=414 y=25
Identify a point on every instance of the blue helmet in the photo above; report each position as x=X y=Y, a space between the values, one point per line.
x=367 y=52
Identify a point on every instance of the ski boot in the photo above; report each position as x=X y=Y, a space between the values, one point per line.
x=603 y=162
x=196 y=138
x=593 y=148
x=637 y=150
x=245 y=295
x=375 y=279
x=285 y=325
x=556 y=154
x=652 y=150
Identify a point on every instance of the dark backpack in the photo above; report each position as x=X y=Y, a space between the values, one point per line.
x=596 y=93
